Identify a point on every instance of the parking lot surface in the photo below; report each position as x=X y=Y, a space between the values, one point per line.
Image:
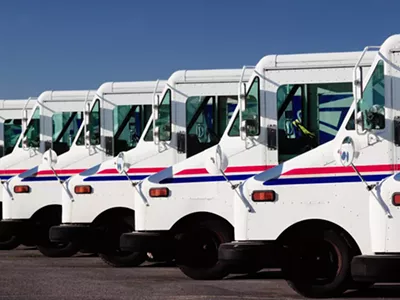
x=26 y=274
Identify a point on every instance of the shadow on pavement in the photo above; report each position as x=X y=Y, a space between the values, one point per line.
x=263 y=274
x=376 y=291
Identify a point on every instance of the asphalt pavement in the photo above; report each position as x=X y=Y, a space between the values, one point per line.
x=27 y=275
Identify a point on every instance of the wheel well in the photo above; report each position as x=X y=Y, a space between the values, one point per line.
x=197 y=217
x=50 y=212
x=315 y=225
x=114 y=213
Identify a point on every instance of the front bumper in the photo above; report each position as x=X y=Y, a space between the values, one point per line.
x=16 y=227
x=376 y=268
x=90 y=237
x=265 y=254
x=144 y=241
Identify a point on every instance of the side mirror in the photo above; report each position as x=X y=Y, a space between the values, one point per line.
x=156 y=107
x=50 y=158
x=346 y=152
x=86 y=114
x=87 y=138
x=243 y=129
x=25 y=142
x=375 y=117
x=358 y=84
x=156 y=134
x=24 y=119
x=217 y=162
x=248 y=127
x=242 y=97
x=122 y=165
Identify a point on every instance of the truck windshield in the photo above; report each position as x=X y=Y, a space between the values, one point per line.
x=129 y=122
x=32 y=132
x=206 y=120
x=65 y=128
x=93 y=127
x=12 y=131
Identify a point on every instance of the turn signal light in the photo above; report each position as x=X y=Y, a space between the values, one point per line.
x=396 y=199
x=263 y=196
x=20 y=189
x=159 y=192
x=83 y=189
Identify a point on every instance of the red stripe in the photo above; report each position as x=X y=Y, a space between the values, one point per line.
x=12 y=172
x=341 y=170
x=235 y=169
x=59 y=172
x=133 y=170
x=301 y=171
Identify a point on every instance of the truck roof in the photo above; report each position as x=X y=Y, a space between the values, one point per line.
x=314 y=60
x=17 y=103
x=130 y=87
x=209 y=76
x=53 y=96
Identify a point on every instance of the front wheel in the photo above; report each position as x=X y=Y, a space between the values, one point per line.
x=51 y=249
x=9 y=242
x=112 y=255
x=197 y=250
x=318 y=265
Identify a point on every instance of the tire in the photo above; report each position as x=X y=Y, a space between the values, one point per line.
x=197 y=250
x=318 y=265
x=113 y=255
x=58 y=250
x=9 y=243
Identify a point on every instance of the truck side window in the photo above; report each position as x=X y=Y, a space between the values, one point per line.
x=93 y=126
x=163 y=121
x=206 y=120
x=12 y=131
x=310 y=115
x=32 y=132
x=129 y=122
x=252 y=111
x=65 y=128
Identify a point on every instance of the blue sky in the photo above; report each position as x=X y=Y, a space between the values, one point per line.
x=79 y=44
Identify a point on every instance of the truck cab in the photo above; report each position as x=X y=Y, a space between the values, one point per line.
x=12 y=121
x=190 y=115
x=53 y=124
x=114 y=122
x=290 y=105
x=329 y=216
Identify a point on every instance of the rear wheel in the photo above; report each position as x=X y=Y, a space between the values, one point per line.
x=112 y=254
x=318 y=265
x=197 y=250
x=9 y=242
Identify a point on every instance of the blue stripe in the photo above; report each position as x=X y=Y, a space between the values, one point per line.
x=279 y=181
x=330 y=179
x=6 y=177
x=116 y=178
x=44 y=178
